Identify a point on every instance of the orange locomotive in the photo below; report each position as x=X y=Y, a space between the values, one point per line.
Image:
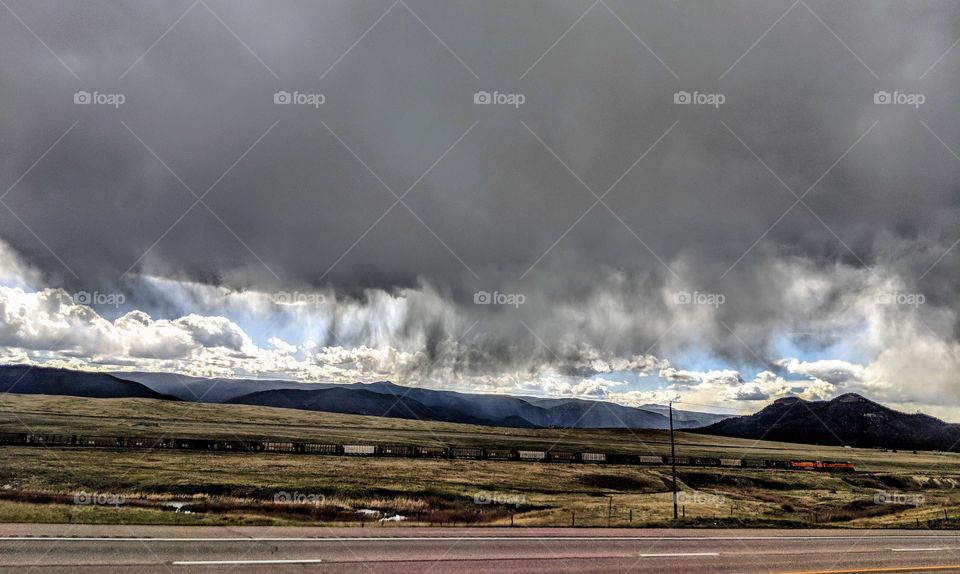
x=822 y=465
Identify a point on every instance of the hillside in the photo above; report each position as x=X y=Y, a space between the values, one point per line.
x=383 y=399
x=847 y=420
x=25 y=380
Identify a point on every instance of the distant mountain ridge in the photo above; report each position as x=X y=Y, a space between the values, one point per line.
x=28 y=380
x=451 y=406
x=848 y=419
x=375 y=399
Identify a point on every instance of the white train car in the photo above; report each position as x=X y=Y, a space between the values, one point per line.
x=532 y=455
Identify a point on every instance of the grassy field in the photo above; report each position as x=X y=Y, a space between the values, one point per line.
x=63 y=485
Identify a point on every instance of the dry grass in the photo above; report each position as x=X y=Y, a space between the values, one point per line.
x=239 y=488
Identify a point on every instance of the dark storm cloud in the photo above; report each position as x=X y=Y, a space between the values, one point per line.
x=498 y=211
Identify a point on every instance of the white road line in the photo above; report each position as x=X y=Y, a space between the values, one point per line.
x=223 y=562
x=679 y=554
x=918 y=549
x=453 y=538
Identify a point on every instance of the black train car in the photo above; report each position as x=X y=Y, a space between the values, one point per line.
x=432 y=452
x=562 y=456
x=616 y=458
x=396 y=451
x=469 y=452
x=319 y=448
x=499 y=454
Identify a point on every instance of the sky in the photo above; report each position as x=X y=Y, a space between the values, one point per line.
x=719 y=202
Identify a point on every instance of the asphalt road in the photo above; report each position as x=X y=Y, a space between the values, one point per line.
x=134 y=549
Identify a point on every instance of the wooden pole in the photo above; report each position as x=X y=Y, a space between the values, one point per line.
x=673 y=461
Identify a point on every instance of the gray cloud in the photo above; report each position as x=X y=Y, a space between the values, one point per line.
x=499 y=212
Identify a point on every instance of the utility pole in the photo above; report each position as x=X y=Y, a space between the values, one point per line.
x=673 y=462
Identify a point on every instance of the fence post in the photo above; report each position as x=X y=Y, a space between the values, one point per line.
x=511 y=519
x=684 y=511
x=631 y=516
x=573 y=519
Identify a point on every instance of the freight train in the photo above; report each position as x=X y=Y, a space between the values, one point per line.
x=436 y=452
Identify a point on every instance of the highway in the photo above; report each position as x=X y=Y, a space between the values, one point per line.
x=80 y=549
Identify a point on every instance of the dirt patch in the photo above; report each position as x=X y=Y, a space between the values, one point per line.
x=739 y=481
x=644 y=484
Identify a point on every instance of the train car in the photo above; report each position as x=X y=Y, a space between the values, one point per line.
x=396 y=451
x=359 y=450
x=753 y=463
x=13 y=438
x=681 y=460
x=562 y=456
x=274 y=446
x=617 y=458
x=476 y=453
x=593 y=457
x=821 y=466
x=650 y=459
x=98 y=441
x=499 y=454
x=319 y=448
x=838 y=467
x=803 y=464
x=704 y=461
x=531 y=455
x=731 y=462
x=432 y=452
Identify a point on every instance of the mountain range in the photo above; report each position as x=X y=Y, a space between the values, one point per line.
x=847 y=420
x=375 y=399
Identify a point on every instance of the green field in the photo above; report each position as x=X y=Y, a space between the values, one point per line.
x=41 y=483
